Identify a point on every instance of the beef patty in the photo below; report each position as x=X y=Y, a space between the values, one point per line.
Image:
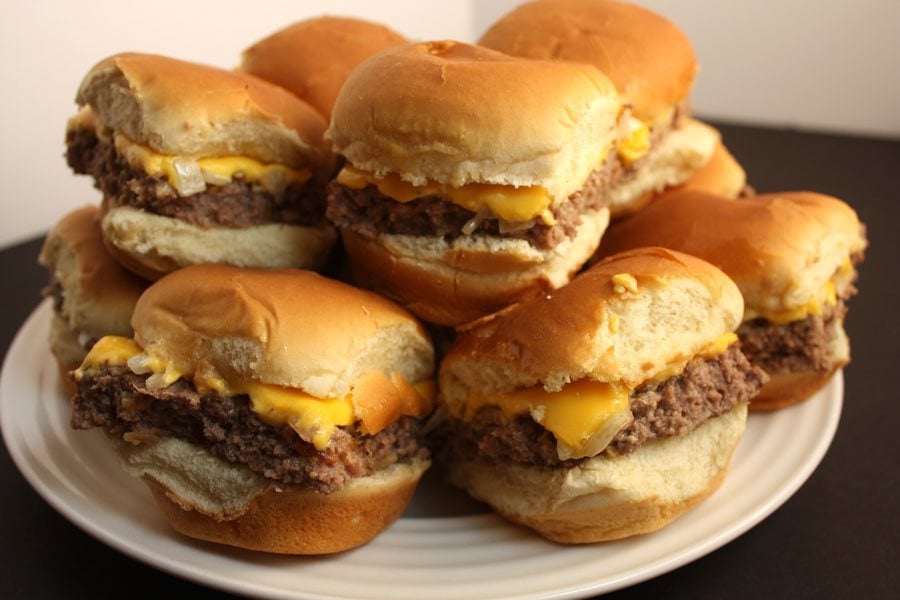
x=118 y=401
x=236 y=204
x=707 y=388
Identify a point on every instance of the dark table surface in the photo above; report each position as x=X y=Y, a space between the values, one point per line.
x=837 y=537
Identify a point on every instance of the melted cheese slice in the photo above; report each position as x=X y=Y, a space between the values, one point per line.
x=585 y=415
x=507 y=202
x=190 y=175
x=814 y=307
x=313 y=418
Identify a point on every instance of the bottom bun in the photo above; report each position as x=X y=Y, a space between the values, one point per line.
x=452 y=283
x=152 y=245
x=206 y=498
x=608 y=498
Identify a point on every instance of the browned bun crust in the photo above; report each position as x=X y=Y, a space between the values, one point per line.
x=298 y=521
x=313 y=58
x=722 y=175
x=188 y=109
x=648 y=58
x=787 y=389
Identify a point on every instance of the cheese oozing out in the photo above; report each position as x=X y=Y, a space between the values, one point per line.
x=190 y=175
x=313 y=418
x=506 y=202
x=635 y=140
x=585 y=415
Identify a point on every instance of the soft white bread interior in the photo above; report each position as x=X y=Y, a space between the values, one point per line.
x=623 y=321
x=456 y=114
x=673 y=161
x=152 y=245
x=210 y=499
x=454 y=282
x=781 y=249
x=608 y=498
x=284 y=327
x=648 y=58
x=186 y=109
x=312 y=58
x=98 y=294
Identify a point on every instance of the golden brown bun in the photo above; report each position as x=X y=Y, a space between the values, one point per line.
x=455 y=114
x=99 y=295
x=152 y=245
x=609 y=498
x=781 y=249
x=187 y=109
x=648 y=58
x=313 y=58
x=285 y=327
x=210 y=499
x=722 y=175
x=596 y=328
x=451 y=283
x=671 y=161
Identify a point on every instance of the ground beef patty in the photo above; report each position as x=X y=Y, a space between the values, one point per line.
x=118 y=401
x=235 y=204
x=369 y=212
x=705 y=389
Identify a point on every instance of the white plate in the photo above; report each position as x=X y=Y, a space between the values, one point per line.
x=444 y=546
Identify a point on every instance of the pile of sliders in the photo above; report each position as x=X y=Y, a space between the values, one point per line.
x=539 y=272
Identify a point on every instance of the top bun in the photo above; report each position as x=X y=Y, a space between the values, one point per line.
x=99 y=294
x=623 y=321
x=182 y=108
x=648 y=58
x=781 y=249
x=455 y=114
x=284 y=327
x=313 y=58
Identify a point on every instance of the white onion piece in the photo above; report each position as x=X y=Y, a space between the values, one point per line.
x=515 y=226
x=139 y=364
x=215 y=178
x=188 y=177
x=597 y=442
x=156 y=381
x=472 y=224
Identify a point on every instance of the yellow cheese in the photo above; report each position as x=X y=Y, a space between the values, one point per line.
x=636 y=141
x=189 y=175
x=572 y=414
x=507 y=202
x=814 y=307
x=314 y=419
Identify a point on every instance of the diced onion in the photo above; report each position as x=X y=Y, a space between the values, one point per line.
x=139 y=364
x=515 y=226
x=472 y=224
x=188 y=176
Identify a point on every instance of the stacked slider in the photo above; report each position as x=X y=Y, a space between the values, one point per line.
x=652 y=64
x=792 y=254
x=473 y=179
x=198 y=164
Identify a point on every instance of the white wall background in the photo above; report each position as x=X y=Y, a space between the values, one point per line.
x=830 y=65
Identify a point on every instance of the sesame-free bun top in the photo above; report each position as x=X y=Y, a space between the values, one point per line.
x=187 y=109
x=285 y=327
x=622 y=321
x=781 y=249
x=99 y=294
x=456 y=114
x=648 y=58
x=312 y=58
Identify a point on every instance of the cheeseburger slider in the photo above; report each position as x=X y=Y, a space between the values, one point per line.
x=793 y=255
x=604 y=409
x=652 y=64
x=273 y=410
x=197 y=164
x=473 y=179
x=93 y=295
x=313 y=58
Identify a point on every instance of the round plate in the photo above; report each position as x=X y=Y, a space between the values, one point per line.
x=444 y=546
